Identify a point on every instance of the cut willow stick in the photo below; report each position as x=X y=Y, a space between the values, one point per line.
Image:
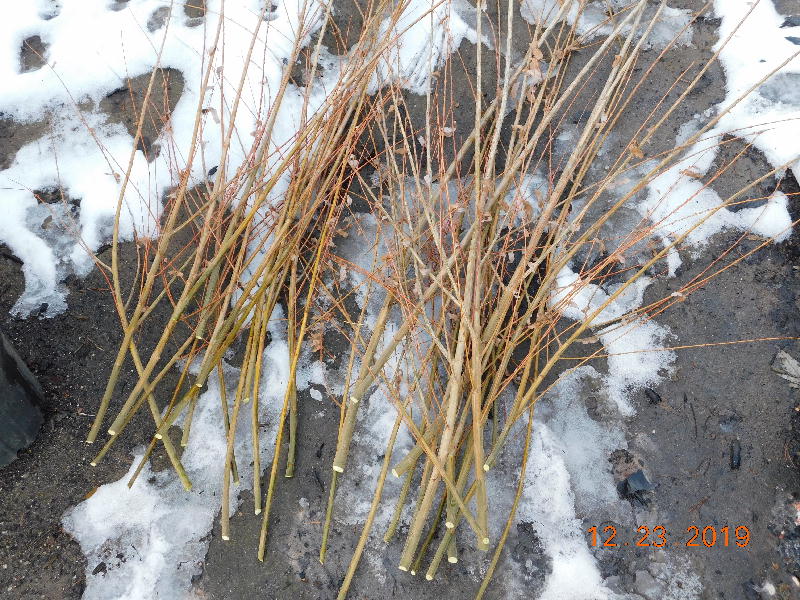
x=346 y=432
x=410 y=460
x=472 y=309
x=362 y=540
x=345 y=435
x=241 y=391
x=447 y=539
x=198 y=336
x=223 y=399
x=328 y=515
x=342 y=411
x=428 y=538
x=463 y=476
x=291 y=324
x=450 y=517
x=325 y=235
x=398 y=507
x=512 y=513
x=426 y=474
x=226 y=479
x=452 y=551
x=423 y=508
x=255 y=426
x=187 y=422
x=405 y=468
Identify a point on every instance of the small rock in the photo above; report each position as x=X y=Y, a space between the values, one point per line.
x=736 y=455
x=652 y=396
x=648 y=586
x=635 y=487
x=785 y=365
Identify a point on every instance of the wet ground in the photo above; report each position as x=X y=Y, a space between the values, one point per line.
x=720 y=438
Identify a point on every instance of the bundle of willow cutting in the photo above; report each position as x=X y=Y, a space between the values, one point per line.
x=466 y=268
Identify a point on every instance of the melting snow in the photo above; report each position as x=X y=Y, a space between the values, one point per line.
x=91 y=52
x=160 y=530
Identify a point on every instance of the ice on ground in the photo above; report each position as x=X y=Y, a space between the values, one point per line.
x=592 y=20
x=310 y=371
x=149 y=541
x=756 y=55
x=761 y=107
x=635 y=346
x=681 y=207
x=568 y=479
x=549 y=503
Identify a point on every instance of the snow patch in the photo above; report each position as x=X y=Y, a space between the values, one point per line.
x=93 y=51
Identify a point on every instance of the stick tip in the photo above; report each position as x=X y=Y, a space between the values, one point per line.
x=403 y=568
x=486 y=467
x=449 y=524
x=413 y=572
x=451 y=559
x=226 y=538
x=94 y=464
x=112 y=432
x=428 y=576
x=159 y=436
x=338 y=469
x=258 y=511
